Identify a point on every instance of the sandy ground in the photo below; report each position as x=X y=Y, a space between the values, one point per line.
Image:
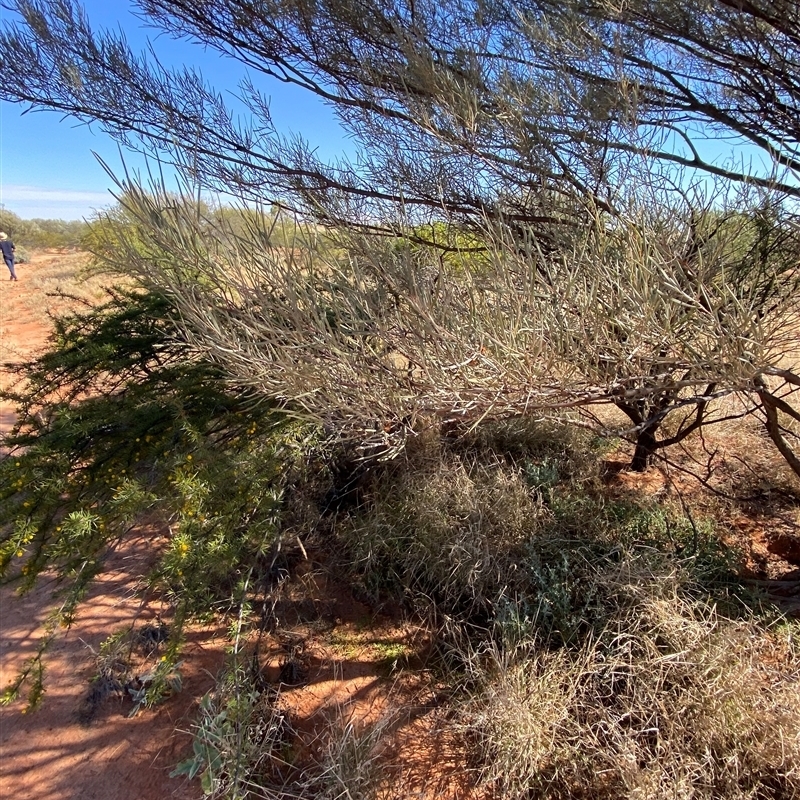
x=49 y=754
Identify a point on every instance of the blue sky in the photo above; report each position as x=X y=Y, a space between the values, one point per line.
x=47 y=166
x=47 y=169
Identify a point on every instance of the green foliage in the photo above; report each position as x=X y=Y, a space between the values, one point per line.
x=457 y=247
x=140 y=662
x=116 y=237
x=40 y=233
x=274 y=228
x=239 y=735
x=163 y=680
x=588 y=542
x=121 y=236
x=117 y=418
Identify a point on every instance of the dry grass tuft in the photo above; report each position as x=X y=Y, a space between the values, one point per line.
x=452 y=533
x=53 y=273
x=667 y=701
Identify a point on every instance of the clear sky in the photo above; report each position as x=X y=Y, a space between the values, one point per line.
x=47 y=168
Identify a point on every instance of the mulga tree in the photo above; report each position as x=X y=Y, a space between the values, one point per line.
x=533 y=126
x=657 y=311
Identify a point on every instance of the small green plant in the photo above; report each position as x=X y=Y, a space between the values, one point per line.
x=392 y=654
x=239 y=738
x=542 y=476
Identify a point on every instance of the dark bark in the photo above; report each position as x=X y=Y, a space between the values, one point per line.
x=770 y=405
x=646 y=446
x=646 y=442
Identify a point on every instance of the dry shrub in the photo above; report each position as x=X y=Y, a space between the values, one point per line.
x=351 y=763
x=454 y=532
x=244 y=746
x=379 y=337
x=580 y=627
x=667 y=701
x=65 y=279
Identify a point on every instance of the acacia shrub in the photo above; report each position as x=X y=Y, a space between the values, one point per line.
x=118 y=417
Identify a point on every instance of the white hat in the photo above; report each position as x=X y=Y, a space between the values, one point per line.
x=3 y=236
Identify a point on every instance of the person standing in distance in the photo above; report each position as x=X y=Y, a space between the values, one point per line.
x=7 y=248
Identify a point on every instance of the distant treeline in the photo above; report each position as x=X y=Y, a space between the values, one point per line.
x=278 y=229
x=35 y=233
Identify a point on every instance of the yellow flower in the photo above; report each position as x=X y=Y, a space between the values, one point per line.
x=20 y=553
x=189 y=457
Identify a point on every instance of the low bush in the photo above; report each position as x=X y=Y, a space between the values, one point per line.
x=119 y=418
x=667 y=700
x=508 y=517
x=597 y=646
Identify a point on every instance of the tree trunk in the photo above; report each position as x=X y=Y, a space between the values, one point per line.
x=771 y=404
x=646 y=446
